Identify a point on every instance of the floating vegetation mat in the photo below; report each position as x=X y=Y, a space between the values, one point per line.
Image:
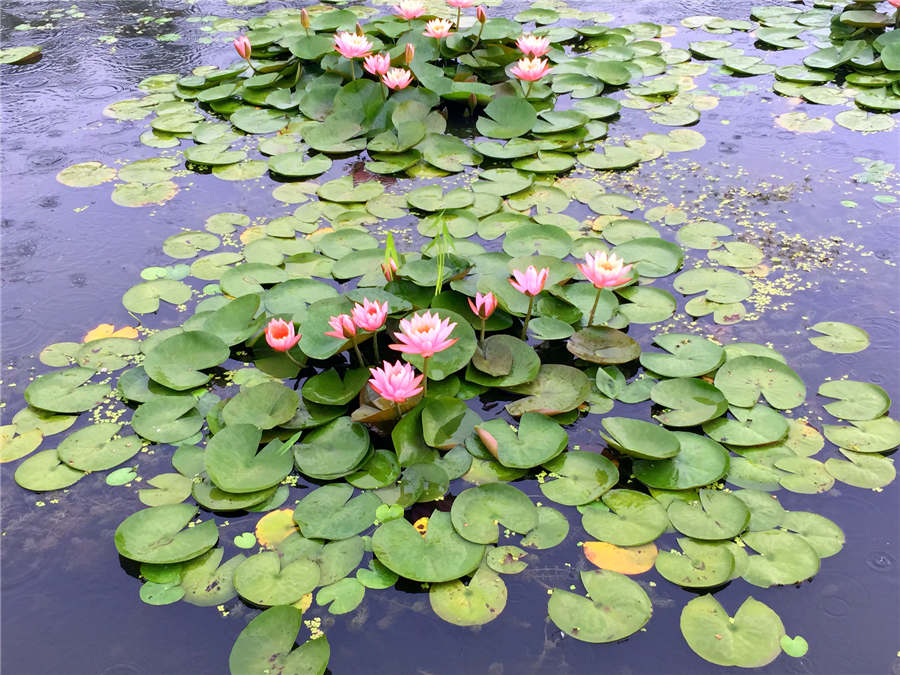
x=375 y=403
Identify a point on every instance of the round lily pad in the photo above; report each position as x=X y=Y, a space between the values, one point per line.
x=688 y=355
x=784 y=558
x=862 y=471
x=720 y=285
x=750 y=426
x=167 y=419
x=160 y=535
x=507 y=117
x=342 y=596
x=234 y=465
x=743 y=379
x=264 y=405
x=857 y=400
x=556 y=389
x=477 y=511
x=441 y=555
x=615 y=607
x=717 y=515
x=826 y=538
x=702 y=565
x=523 y=368
x=700 y=461
x=65 y=391
x=750 y=640
x=687 y=401
x=640 y=439
x=263 y=580
x=603 y=345
x=205 y=582
x=537 y=440
x=45 y=471
x=506 y=559
x=878 y=435
x=94 y=448
x=86 y=174
x=176 y=362
x=578 y=477
x=333 y=450
x=267 y=643
x=839 y=338
x=473 y=604
x=329 y=512
x=626 y=518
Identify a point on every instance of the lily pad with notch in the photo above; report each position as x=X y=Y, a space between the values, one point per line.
x=65 y=391
x=640 y=439
x=701 y=565
x=473 y=604
x=784 y=558
x=94 y=448
x=234 y=465
x=625 y=518
x=329 y=512
x=537 y=440
x=743 y=379
x=333 y=450
x=177 y=361
x=717 y=515
x=477 y=512
x=160 y=535
x=268 y=643
x=700 y=461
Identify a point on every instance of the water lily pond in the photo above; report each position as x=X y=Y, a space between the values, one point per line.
x=445 y=338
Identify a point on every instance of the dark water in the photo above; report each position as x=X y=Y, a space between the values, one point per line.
x=69 y=254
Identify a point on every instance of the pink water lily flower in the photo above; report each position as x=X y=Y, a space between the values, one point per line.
x=409 y=53
x=484 y=305
x=461 y=3
x=530 y=70
x=389 y=269
x=396 y=382
x=369 y=315
x=397 y=78
x=377 y=64
x=342 y=327
x=351 y=45
x=438 y=28
x=242 y=47
x=533 y=45
x=480 y=15
x=530 y=282
x=409 y=9
x=425 y=335
x=605 y=271
x=280 y=335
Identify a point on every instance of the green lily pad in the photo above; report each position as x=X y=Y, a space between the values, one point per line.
x=610 y=157
x=538 y=239
x=651 y=256
x=703 y=234
x=329 y=388
x=513 y=149
x=803 y=475
x=556 y=389
x=205 y=582
x=551 y=529
x=751 y=426
x=766 y=512
x=86 y=174
x=826 y=538
x=688 y=401
x=523 y=368
x=329 y=512
x=702 y=565
x=94 y=448
x=169 y=488
x=603 y=345
x=578 y=477
x=626 y=518
x=343 y=596
x=615 y=607
x=506 y=559
x=646 y=305
x=160 y=535
x=473 y=604
x=862 y=471
x=750 y=640
x=263 y=580
x=234 y=465
x=784 y=558
x=267 y=643
x=477 y=511
x=177 y=361
x=507 y=117
x=857 y=400
x=743 y=379
x=447 y=422
x=700 y=461
x=720 y=285
x=293 y=165
x=717 y=515
x=537 y=440
x=65 y=391
x=44 y=471
x=211 y=497
x=167 y=419
x=333 y=450
x=839 y=338
x=376 y=576
x=878 y=435
x=689 y=355
x=441 y=555
x=144 y=298
x=448 y=153
x=640 y=439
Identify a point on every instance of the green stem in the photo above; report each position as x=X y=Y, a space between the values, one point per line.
x=293 y=360
x=594 y=308
x=458 y=11
x=375 y=344
x=362 y=364
x=297 y=74
x=425 y=379
x=352 y=69
x=482 y=335
x=477 y=39
x=527 y=316
x=397 y=409
x=528 y=90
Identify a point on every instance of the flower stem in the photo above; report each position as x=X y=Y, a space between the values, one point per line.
x=528 y=90
x=482 y=334
x=375 y=345
x=293 y=360
x=594 y=308
x=397 y=409
x=352 y=69
x=527 y=316
x=425 y=379
x=362 y=364
x=458 y=12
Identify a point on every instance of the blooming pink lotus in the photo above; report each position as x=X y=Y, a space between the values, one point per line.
x=351 y=45
x=280 y=335
x=530 y=70
x=530 y=282
x=603 y=271
x=389 y=269
x=396 y=382
x=409 y=9
x=461 y=3
x=425 y=335
x=533 y=45
x=369 y=315
x=484 y=305
x=397 y=78
x=438 y=28
x=377 y=64
x=342 y=327
x=242 y=47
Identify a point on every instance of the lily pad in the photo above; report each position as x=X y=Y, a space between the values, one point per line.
x=626 y=518
x=329 y=512
x=160 y=535
x=45 y=471
x=177 y=361
x=556 y=389
x=857 y=400
x=839 y=338
x=537 y=440
x=263 y=580
x=65 y=391
x=784 y=558
x=700 y=461
x=578 y=477
x=687 y=402
x=640 y=439
x=473 y=604
x=234 y=465
x=702 y=565
x=603 y=345
x=717 y=515
x=268 y=643
x=94 y=448
x=878 y=435
x=862 y=471
x=507 y=117
x=333 y=450
x=743 y=379
x=477 y=511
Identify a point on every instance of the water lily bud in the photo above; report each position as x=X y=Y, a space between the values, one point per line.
x=482 y=17
x=304 y=18
x=359 y=30
x=410 y=52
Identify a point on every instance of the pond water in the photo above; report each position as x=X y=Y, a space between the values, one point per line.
x=71 y=605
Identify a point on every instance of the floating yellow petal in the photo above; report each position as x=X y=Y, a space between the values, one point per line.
x=622 y=559
x=422 y=525
x=304 y=602
x=108 y=330
x=274 y=527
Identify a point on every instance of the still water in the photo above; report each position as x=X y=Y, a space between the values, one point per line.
x=68 y=255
